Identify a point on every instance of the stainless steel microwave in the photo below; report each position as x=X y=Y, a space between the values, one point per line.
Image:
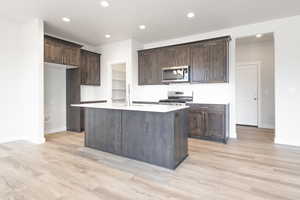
x=178 y=74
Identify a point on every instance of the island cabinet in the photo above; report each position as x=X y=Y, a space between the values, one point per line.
x=158 y=138
x=209 y=122
x=61 y=52
x=208 y=61
x=90 y=68
x=104 y=130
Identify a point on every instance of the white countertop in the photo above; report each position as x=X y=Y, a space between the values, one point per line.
x=199 y=101
x=134 y=107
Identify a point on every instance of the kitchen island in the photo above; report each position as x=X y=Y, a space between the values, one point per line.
x=156 y=134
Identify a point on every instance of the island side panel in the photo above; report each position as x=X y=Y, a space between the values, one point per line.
x=103 y=130
x=149 y=137
x=181 y=136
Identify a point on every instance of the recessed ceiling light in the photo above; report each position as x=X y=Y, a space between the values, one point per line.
x=190 y=15
x=104 y=4
x=65 y=19
x=259 y=35
x=142 y=27
x=108 y=36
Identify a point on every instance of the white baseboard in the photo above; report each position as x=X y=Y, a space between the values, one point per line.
x=283 y=141
x=55 y=130
x=40 y=140
x=269 y=126
x=10 y=139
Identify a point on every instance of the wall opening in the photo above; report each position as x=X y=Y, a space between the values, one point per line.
x=255 y=87
x=118 y=83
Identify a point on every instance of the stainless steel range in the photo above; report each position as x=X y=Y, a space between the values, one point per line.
x=176 y=98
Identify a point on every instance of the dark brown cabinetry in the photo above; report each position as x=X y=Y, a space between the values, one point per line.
x=90 y=68
x=149 y=71
x=174 y=56
x=73 y=97
x=209 y=121
x=61 y=52
x=153 y=137
x=208 y=61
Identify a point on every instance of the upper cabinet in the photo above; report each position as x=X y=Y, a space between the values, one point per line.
x=90 y=68
x=207 y=59
x=209 y=62
x=174 y=56
x=149 y=71
x=61 y=52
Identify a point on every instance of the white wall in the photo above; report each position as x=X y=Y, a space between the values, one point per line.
x=261 y=51
x=21 y=81
x=55 y=98
x=10 y=82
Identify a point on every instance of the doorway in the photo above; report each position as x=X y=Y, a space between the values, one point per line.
x=255 y=96
x=247 y=93
x=118 y=83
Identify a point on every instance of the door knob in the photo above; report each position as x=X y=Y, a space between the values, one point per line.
x=255 y=99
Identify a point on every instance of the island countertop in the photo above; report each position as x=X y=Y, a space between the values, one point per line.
x=133 y=107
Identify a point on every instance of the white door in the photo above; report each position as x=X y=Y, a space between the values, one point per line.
x=246 y=94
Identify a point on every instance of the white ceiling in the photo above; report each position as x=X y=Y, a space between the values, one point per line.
x=165 y=19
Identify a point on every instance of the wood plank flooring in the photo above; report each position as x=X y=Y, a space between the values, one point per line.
x=62 y=169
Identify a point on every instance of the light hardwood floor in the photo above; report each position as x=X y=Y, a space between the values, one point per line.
x=63 y=169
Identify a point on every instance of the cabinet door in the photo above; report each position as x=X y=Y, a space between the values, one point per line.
x=216 y=124
x=93 y=61
x=75 y=56
x=90 y=68
x=218 y=61
x=174 y=56
x=209 y=62
x=149 y=70
x=167 y=57
x=103 y=130
x=70 y=55
x=200 y=63
x=53 y=51
x=182 y=56
x=48 y=51
x=83 y=67
x=66 y=55
x=197 y=123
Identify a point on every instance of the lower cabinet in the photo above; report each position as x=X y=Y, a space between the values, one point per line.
x=209 y=122
x=103 y=130
x=153 y=137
